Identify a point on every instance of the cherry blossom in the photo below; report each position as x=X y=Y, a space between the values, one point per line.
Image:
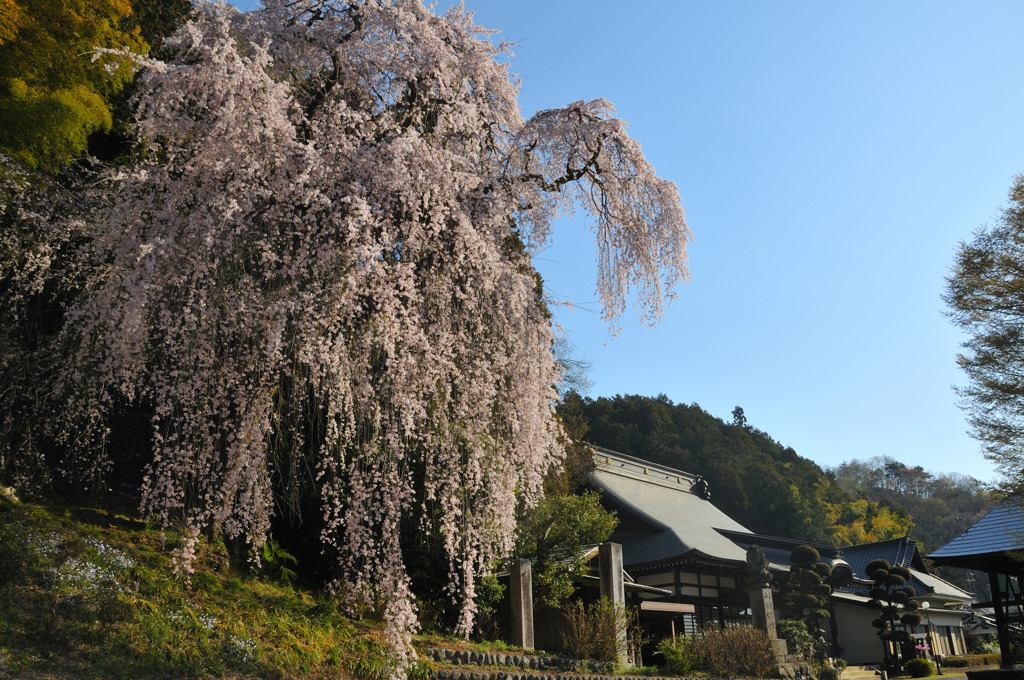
x=320 y=278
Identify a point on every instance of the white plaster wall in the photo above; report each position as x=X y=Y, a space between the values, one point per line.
x=857 y=636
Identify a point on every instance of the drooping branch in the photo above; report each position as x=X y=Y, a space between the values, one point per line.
x=581 y=154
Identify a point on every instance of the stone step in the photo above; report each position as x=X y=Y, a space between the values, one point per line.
x=860 y=673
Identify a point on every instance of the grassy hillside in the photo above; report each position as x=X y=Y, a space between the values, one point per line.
x=90 y=592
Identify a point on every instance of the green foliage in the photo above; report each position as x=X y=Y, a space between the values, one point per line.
x=826 y=673
x=90 y=593
x=679 y=658
x=919 y=668
x=804 y=554
x=830 y=669
x=895 y=603
x=275 y=562
x=982 y=644
x=489 y=593
x=799 y=640
x=942 y=505
x=985 y=295
x=553 y=534
x=11 y=19
x=803 y=590
x=157 y=19
x=53 y=92
x=573 y=476
x=971 y=660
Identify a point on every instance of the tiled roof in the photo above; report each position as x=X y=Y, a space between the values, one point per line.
x=999 y=530
x=896 y=551
x=668 y=515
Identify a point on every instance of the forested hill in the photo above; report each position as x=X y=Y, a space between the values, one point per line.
x=754 y=479
x=943 y=505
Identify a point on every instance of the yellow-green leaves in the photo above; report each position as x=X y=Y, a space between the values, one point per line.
x=54 y=86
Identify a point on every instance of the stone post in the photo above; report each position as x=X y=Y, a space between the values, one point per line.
x=609 y=565
x=759 y=578
x=521 y=594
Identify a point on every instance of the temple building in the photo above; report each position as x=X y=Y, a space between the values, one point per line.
x=674 y=539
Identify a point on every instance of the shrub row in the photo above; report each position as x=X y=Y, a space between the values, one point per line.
x=970 y=660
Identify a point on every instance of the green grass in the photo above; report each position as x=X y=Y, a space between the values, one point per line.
x=87 y=593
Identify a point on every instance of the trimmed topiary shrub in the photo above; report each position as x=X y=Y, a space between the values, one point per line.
x=918 y=668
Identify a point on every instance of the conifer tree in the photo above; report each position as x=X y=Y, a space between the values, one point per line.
x=895 y=602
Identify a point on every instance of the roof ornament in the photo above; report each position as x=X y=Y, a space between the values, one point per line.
x=757 y=571
x=842 y=572
x=700 y=487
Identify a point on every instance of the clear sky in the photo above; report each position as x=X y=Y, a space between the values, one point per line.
x=830 y=156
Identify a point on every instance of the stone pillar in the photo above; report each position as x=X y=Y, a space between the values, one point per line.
x=763 y=609
x=758 y=577
x=609 y=565
x=521 y=594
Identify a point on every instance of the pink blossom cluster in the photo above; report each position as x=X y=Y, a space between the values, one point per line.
x=320 y=274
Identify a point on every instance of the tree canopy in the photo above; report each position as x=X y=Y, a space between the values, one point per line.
x=316 y=288
x=985 y=297
x=55 y=88
x=943 y=505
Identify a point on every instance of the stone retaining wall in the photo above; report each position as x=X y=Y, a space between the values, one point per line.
x=531 y=666
x=461 y=657
x=460 y=674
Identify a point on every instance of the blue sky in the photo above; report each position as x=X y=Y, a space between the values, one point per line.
x=830 y=156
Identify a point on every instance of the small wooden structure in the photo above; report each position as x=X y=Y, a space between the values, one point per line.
x=994 y=545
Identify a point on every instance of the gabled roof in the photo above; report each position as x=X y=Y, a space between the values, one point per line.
x=664 y=516
x=986 y=543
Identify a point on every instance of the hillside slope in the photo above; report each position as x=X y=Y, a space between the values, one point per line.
x=758 y=481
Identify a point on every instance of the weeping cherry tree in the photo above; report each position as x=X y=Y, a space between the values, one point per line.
x=319 y=280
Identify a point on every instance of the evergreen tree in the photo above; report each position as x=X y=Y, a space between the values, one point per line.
x=985 y=296
x=805 y=595
x=896 y=605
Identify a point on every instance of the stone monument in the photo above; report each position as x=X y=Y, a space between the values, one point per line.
x=758 y=578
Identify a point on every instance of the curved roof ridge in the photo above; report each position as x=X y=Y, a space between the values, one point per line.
x=630 y=466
